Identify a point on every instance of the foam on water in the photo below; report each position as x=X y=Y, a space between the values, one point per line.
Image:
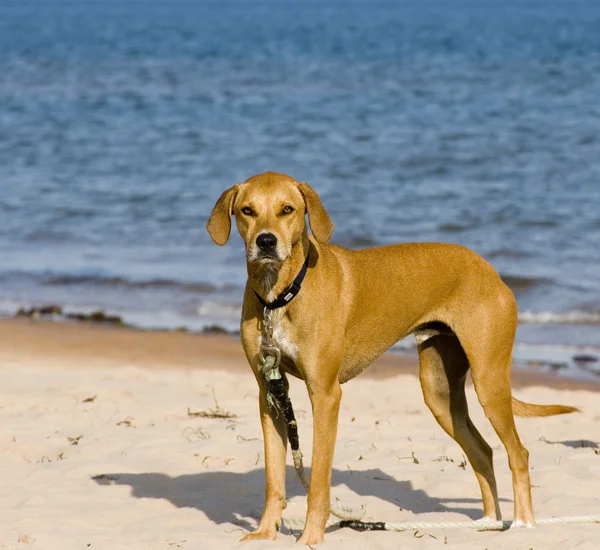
x=560 y=318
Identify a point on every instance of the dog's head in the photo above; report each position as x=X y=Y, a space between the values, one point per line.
x=269 y=210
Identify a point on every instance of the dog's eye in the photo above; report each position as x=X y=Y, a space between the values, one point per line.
x=287 y=209
x=247 y=211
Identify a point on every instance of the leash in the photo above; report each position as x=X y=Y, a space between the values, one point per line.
x=478 y=525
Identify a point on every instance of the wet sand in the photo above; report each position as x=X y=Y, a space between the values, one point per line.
x=87 y=345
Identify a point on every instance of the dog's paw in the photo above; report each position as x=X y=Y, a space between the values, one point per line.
x=520 y=524
x=309 y=538
x=259 y=534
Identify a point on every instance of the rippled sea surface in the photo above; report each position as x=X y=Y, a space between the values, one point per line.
x=469 y=122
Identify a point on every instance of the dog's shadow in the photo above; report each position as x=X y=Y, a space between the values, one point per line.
x=227 y=497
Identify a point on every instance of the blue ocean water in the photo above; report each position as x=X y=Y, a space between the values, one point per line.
x=458 y=121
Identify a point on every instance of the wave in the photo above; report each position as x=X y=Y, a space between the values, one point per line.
x=560 y=318
x=356 y=241
x=521 y=284
x=209 y=309
x=100 y=281
x=505 y=252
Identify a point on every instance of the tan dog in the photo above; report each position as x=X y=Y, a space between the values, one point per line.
x=354 y=305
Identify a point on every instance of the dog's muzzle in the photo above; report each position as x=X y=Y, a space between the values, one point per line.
x=267 y=246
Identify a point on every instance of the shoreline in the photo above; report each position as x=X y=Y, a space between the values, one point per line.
x=80 y=344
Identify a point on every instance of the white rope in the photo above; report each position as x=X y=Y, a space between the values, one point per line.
x=478 y=525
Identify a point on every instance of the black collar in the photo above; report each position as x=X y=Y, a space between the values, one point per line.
x=289 y=293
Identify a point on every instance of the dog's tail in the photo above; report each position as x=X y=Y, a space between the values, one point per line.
x=527 y=409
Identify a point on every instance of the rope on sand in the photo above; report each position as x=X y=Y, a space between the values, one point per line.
x=478 y=525
x=352 y=517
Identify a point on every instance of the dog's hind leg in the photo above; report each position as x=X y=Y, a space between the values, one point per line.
x=489 y=351
x=492 y=385
x=443 y=368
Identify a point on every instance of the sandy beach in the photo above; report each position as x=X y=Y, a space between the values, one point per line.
x=100 y=448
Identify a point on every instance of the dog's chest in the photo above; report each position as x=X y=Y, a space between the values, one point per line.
x=282 y=338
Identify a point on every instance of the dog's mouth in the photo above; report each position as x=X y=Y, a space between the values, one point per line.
x=267 y=257
x=260 y=256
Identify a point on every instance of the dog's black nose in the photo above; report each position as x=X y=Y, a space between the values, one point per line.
x=266 y=241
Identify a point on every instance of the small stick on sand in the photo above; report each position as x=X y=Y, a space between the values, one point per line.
x=412 y=455
x=212 y=413
x=198 y=432
x=217 y=412
x=242 y=438
x=127 y=422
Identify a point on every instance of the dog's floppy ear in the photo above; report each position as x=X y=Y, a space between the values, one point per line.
x=219 y=223
x=318 y=218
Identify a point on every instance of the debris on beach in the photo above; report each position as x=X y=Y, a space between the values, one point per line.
x=49 y=310
x=194 y=433
x=74 y=440
x=128 y=422
x=54 y=312
x=216 y=412
x=212 y=413
x=104 y=479
x=96 y=317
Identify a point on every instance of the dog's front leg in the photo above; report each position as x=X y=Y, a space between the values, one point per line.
x=275 y=444
x=325 y=397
